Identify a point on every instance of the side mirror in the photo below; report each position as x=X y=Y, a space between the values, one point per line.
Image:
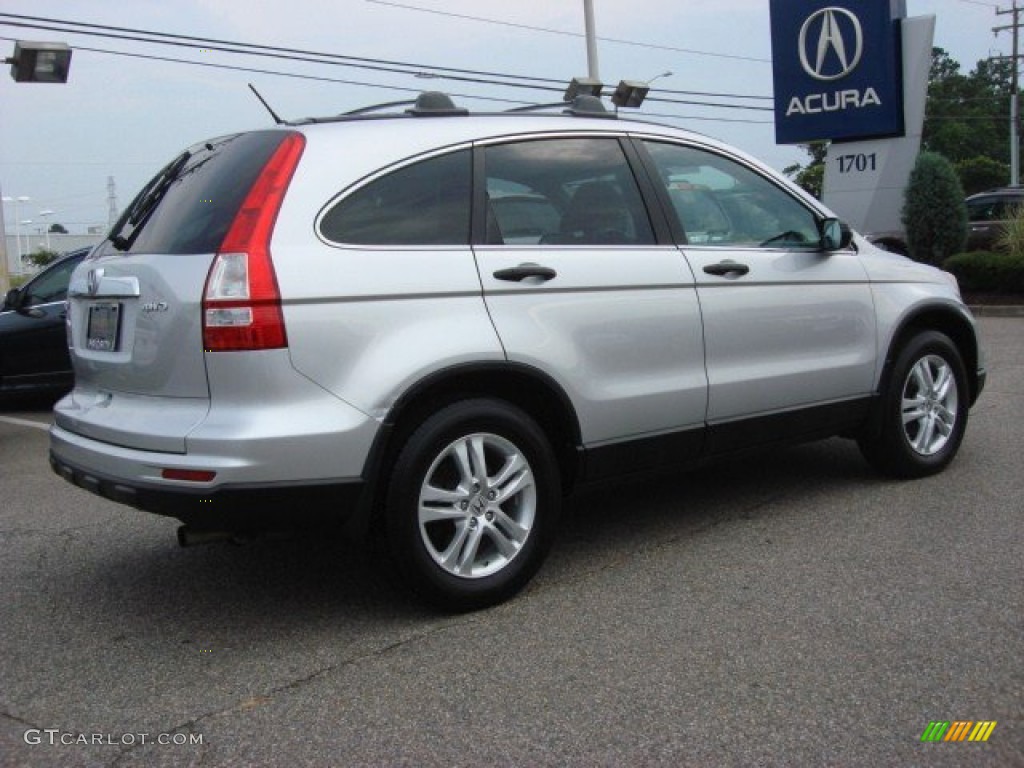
x=11 y=299
x=835 y=234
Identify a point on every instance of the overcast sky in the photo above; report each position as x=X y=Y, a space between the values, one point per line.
x=125 y=117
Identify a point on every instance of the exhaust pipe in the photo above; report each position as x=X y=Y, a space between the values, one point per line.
x=190 y=537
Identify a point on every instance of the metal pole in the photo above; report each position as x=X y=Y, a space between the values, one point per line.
x=588 y=18
x=1014 y=106
x=5 y=277
x=1014 y=139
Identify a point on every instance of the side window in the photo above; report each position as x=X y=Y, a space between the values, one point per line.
x=981 y=210
x=564 y=192
x=426 y=203
x=50 y=286
x=718 y=201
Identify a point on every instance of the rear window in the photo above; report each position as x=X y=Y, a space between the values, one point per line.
x=198 y=206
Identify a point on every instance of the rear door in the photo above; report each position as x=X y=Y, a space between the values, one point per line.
x=578 y=288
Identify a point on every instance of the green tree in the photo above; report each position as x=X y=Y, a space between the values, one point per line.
x=810 y=177
x=40 y=258
x=967 y=119
x=934 y=213
x=58 y=229
x=981 y=173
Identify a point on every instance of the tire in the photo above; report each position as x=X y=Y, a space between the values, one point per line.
x=472 y=504
x=924 y=410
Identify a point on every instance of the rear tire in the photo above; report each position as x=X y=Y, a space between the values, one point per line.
x=924 y=410
x=472 y=504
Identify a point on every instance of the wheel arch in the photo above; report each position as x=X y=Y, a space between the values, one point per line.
x=523 y=386
x=948 y=321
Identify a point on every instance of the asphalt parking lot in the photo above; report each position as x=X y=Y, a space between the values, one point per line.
x=782 y=609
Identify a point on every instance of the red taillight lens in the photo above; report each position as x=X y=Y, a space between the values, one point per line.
x=241 y=301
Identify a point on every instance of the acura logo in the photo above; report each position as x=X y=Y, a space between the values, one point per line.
x=835 y=50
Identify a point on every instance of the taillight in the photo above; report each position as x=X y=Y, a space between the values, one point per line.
x=241 y=301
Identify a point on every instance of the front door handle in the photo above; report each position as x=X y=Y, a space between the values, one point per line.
x=727 y=269
x=524 y=271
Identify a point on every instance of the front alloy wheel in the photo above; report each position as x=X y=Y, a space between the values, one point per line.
x=923 y=409
x=930 y=399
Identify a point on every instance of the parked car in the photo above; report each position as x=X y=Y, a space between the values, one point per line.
x=33 y=340
x=988 y=213
x=327 y=316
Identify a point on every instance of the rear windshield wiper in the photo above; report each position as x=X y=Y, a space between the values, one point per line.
x=145 y=202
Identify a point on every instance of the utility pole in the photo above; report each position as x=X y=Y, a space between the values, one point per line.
x=5 y=278
x=1014 y=100
x=111 y=203
x=588 y=20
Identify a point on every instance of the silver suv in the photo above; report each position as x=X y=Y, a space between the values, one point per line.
x=437 y=324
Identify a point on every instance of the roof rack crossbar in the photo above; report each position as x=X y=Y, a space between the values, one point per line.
x=378 y=107
x=583 y=105
x=537 y=107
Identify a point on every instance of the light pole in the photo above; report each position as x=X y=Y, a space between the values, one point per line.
x=46 y=222
x=28 y=243
x=17 y=220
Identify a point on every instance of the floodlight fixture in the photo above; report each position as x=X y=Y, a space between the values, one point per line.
x=583 y=86
x=40 y=62
x=630 y=93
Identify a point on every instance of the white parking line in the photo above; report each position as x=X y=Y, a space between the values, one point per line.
x=25 y=422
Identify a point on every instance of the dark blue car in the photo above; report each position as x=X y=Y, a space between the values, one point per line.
x=33 y=342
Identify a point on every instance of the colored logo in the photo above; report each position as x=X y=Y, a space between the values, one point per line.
x=836 y=51
x=958 y=730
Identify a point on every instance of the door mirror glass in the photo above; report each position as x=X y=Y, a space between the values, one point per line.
x=835 y=235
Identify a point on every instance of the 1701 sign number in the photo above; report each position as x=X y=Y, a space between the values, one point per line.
x=858 y=163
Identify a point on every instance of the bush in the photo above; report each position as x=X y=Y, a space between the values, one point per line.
x=987 y=272
x=40 y=258
x=934 y=213
x=981 y=173
x=1011 y=239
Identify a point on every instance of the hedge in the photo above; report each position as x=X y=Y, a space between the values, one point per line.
x=987 y=271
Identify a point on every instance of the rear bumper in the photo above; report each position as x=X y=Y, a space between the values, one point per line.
x=228 y=508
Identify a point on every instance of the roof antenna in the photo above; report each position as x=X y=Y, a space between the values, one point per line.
x=263 y=101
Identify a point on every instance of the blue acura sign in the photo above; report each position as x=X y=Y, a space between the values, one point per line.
x=837 y=70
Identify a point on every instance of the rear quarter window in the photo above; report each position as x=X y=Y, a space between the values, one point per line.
x=426 y=203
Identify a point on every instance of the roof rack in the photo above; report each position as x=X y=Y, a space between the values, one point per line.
x=427 y=104
x=581 y=106
x=438 y=104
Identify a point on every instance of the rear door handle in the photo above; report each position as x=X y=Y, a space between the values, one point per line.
x=727 y=269
x=523 y=271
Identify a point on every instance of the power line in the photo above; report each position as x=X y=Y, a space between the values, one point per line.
x=317 y=57
x=548 y=30
x=277 y=73
x=403 y=89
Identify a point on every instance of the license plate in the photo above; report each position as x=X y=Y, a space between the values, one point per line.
x=104 y=327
